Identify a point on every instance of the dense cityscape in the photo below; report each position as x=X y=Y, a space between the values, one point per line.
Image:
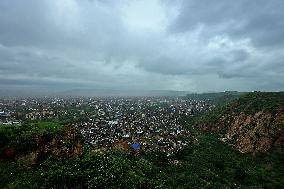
x=155 y=123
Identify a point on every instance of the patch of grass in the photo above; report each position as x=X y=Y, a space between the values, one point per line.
x=42 y=127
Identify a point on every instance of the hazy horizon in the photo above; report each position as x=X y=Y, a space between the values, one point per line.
x=147 y=45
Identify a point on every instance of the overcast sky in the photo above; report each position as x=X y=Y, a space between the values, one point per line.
x=190 y=45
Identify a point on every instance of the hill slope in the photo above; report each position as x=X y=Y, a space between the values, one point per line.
x=252 y=123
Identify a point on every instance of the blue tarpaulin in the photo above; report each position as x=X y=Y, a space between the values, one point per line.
x=136 y=146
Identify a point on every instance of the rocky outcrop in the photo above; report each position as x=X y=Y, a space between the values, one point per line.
x=69 y=144
x=258 y=132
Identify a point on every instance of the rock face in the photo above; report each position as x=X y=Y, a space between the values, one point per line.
x=257 y=132
x=67 y=144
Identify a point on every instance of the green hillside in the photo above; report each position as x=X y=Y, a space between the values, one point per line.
x=209 y=162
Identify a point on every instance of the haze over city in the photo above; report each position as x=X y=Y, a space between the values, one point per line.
x=196 y=46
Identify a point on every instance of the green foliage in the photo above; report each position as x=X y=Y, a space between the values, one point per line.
x=32 y=127
x=46 y=127
x=259 y=101
x=206 y=163
x=209 y=163
x=113 y=169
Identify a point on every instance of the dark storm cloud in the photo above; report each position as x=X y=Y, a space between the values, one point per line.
x=150 y=44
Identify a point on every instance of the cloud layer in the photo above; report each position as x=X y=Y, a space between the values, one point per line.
x=175 y=45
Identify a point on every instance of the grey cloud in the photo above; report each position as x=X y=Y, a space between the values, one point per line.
x=194 y=63
x=239 y=56
x=91 y=43
x=260 y=20
x=24 y=23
